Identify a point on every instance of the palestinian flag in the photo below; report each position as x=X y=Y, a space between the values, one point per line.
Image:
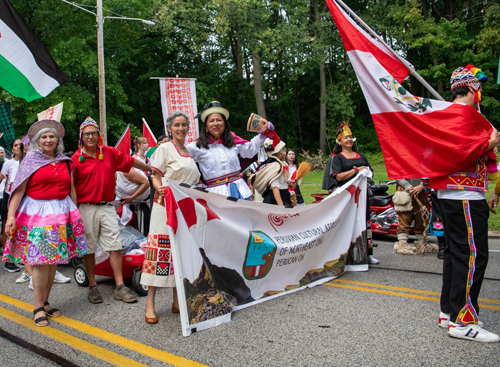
x=148 y=134
x=26 y=68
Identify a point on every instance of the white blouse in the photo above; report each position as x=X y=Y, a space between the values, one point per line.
x=219 y=161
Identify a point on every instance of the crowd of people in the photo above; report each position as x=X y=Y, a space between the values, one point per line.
x=55 y=208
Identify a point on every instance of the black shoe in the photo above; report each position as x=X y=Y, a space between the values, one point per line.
x=11 y=267
x=440 y=254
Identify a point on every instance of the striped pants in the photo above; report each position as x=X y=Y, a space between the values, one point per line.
x=465 y=258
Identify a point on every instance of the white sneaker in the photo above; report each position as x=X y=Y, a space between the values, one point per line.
x=372 y=260
x=444 y=320
x=59 y=278
x=31 y=284
x=472 y=332
x=23 y=278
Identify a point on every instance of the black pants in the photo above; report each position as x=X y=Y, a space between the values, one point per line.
x=465 y=258
x=269 y=197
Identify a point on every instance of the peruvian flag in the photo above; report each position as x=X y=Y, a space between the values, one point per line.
x=419 y=137
x=148 y=134
x=124 y=143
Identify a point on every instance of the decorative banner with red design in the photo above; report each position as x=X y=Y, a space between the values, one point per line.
x=229 y=255
x=180 y=94
x=52 y=113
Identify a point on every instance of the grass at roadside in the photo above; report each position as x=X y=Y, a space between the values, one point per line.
x=311 y=184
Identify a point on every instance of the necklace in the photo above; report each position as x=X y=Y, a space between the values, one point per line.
x=182 y=147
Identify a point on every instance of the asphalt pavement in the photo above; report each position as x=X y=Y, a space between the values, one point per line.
x=386 y=316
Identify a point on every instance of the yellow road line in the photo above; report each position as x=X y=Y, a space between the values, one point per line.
x=110 y=337
x=98 y=352
x=405 y=289
x=434 y=299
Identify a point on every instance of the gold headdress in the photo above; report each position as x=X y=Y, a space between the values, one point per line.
x=343 y=130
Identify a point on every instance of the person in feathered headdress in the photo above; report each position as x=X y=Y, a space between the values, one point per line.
x=346 y=162
x=94 y=178
x=462 y=199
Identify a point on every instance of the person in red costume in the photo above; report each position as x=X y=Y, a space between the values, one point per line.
x=462 y=198
x=94 y=176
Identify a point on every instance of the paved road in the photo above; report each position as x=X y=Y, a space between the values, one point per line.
x=386 y=316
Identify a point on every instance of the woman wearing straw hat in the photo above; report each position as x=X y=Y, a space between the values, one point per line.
x=216 y=152
x=44 y=223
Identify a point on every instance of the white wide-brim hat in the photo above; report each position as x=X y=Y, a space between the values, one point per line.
x=213 y=107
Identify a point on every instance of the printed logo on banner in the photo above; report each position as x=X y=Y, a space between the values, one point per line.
x=276 y=220
x=260 y=255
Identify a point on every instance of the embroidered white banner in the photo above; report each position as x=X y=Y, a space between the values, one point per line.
x=229 y=255
x=180 y=94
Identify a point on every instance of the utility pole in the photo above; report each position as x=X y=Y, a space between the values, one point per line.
x=102 y=84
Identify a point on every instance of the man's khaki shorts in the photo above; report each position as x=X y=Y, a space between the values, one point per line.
x=100 y=224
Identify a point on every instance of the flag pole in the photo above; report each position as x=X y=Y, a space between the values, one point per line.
x=406 y=63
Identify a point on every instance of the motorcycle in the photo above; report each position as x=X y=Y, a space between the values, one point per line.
x=383 y=218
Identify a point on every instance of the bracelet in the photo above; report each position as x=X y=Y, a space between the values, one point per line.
x=355 y=169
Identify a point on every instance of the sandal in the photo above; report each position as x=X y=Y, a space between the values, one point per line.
x=40 y=319
x=52 y=311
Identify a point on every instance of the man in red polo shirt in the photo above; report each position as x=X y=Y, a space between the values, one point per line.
x=94 y=179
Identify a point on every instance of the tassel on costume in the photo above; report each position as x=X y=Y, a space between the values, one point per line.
x=478 y=97
x=491 y=168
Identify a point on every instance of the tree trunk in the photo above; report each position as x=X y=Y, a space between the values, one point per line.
x=257 y=83
x=322 y=111
x=435 y=63
x=235 y=43
x=425 y=10
x=448 y=10
x=299 y=128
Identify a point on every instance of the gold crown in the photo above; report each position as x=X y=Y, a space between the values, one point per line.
x=344 y=132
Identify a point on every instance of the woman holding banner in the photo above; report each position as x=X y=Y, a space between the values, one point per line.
x=346 y=163
x=171 y=160
x=216 y=152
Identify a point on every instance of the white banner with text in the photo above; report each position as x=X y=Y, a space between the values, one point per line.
x=229 y=254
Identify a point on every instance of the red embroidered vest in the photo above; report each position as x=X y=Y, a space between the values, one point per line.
x=472 y=178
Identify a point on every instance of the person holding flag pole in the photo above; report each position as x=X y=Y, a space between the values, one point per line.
x=444 y=141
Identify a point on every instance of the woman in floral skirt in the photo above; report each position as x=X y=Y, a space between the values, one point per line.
x=43 y=221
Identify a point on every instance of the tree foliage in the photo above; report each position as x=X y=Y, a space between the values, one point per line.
x=214 y=40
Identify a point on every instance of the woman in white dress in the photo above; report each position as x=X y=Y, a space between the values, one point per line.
x=216 y=152
x=171 y=160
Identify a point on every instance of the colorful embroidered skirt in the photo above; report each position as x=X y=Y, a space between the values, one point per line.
x=158 y=267
x=46 y=232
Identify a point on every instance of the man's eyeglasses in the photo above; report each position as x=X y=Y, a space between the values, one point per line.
x=95 y=134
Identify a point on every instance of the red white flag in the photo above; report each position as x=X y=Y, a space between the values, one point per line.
x=124 y=143
x=419 y=137
x=196 y=212
x=52 y=113
x=148 y=134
